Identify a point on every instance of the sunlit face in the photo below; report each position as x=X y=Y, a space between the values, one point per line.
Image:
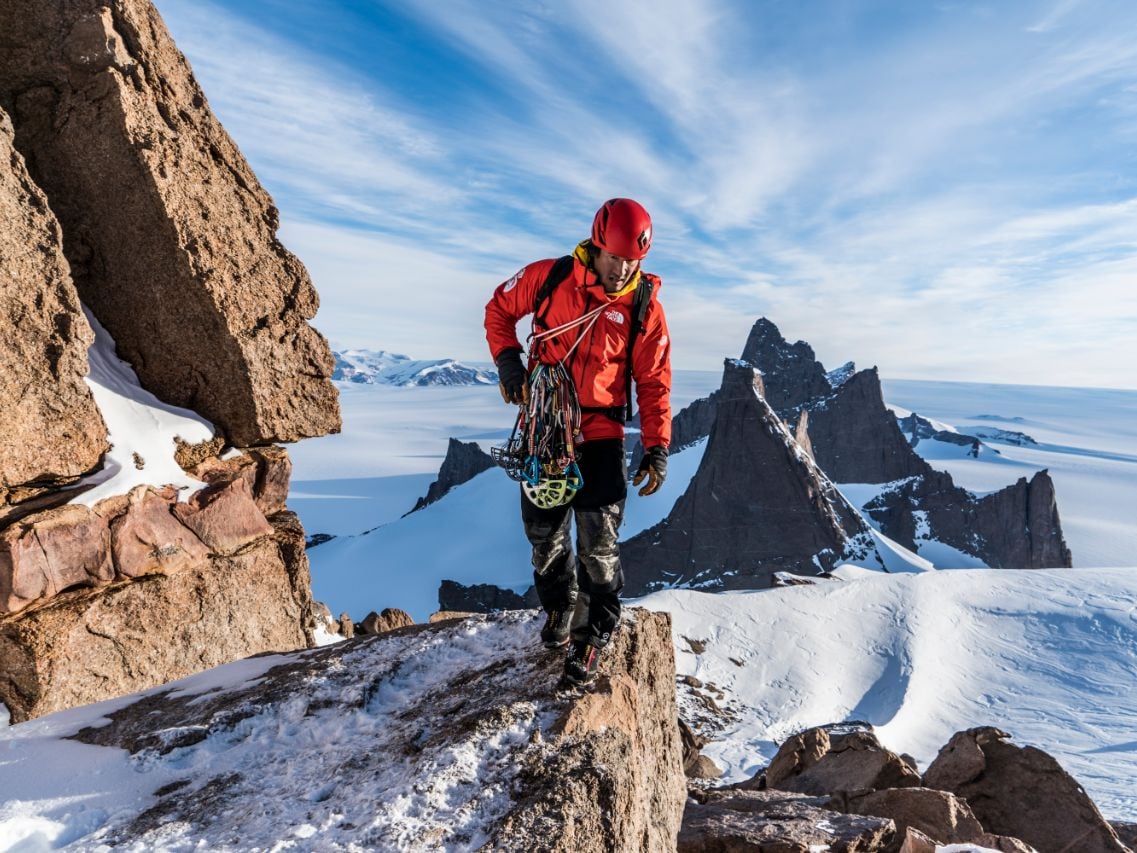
x=612 y=271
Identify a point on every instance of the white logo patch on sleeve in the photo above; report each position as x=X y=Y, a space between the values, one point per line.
x=512 y=283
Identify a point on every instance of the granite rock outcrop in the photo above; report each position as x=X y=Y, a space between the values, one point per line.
x=548 y=771
x=170 y=238
x=123 y=197
x=140 y=590
x=53 y=432
x=1021 y=792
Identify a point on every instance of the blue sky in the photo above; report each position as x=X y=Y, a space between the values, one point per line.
x=945 y=190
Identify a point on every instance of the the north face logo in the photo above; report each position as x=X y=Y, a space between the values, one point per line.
x=615 y=316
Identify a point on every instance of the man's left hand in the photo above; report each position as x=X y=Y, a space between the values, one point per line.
x=653 y=467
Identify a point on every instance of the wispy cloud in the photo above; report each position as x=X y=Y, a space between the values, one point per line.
x=886 y=188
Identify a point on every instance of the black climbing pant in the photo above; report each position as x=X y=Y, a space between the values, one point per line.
x=591 y=581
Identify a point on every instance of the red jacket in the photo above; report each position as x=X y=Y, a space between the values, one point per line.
x=597 y=365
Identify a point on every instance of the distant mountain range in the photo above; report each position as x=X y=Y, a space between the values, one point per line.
x=369 y=367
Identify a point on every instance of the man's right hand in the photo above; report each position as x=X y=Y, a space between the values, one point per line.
x=514 y=383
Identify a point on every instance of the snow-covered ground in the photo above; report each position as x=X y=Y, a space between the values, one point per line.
x=1049 y=656
x=394 y=440
x=326 y=769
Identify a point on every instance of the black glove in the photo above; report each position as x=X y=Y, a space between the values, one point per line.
x=513 y=381
x=654 y=467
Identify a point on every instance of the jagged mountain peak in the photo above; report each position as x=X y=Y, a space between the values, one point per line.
x=791 y=372
x=723 y=531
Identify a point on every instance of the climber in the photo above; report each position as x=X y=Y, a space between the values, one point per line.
x=609 y=307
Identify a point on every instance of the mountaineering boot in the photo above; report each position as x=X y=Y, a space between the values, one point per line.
x=580 y=665
x=556 y=631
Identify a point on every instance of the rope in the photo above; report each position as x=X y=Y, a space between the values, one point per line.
x=542 y=447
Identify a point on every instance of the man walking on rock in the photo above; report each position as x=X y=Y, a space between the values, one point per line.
x=625 y=339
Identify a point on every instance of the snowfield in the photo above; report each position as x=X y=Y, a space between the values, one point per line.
x=1049 y=656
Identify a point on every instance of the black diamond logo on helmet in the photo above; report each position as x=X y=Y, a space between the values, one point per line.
x=645 y=238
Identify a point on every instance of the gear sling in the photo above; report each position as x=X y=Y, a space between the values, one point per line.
x=541 y=453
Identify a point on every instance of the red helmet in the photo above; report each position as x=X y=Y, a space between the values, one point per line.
x=623 y=228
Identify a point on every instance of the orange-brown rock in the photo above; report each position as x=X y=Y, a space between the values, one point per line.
x=267 y=470
x=611 y=776
x=171 y=239
x=52 y=430
x=148 y=539
x=390 y=619
x=92 y=644
x=224 y=516
x=1021 y=792
x=818 y=761
x=47 y=553
x=734 y=821
x=273 y=474
x=939 y=814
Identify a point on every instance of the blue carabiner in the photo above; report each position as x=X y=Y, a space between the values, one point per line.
x=532 y=471
x=573 y=478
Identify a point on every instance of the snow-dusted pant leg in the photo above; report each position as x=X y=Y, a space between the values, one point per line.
x=599 y=576
x=554 y=568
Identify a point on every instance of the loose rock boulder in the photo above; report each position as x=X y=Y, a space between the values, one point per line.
x=939 y=814
x=170 y=237
x=1021 y=792
x=380 y=623
x=820 y=762
x=776 y=822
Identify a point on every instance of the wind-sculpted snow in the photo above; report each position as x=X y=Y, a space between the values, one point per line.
x=1050 y=656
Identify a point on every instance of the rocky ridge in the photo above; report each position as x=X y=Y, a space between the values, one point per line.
x=839 y=420
x=464 y=460
x=445 y=735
